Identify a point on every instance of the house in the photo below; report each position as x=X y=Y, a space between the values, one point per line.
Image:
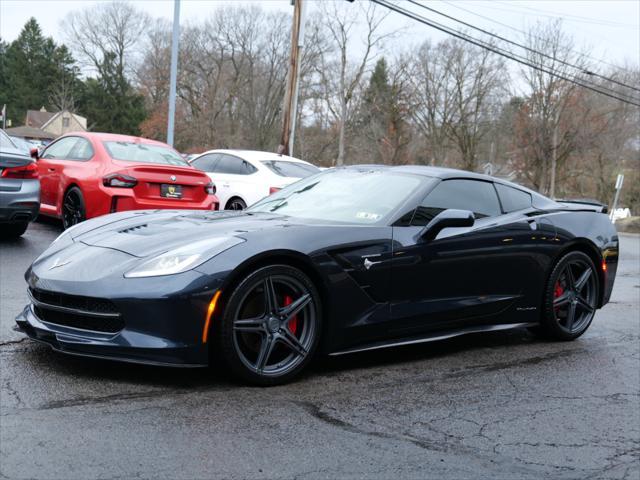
x=55 y=123
x=42 y=126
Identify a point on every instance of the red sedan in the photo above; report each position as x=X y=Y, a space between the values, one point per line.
x=84 y=175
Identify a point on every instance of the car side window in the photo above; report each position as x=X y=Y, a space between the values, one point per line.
x=60 y=149
x=474 y=195
x=234 y=166
x=513 y=199
x=206 y=163
x=81 y=151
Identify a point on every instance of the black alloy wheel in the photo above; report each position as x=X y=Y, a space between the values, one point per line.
x=73 y=211
x=271 y=325
x=236 y=204
x=571 y=297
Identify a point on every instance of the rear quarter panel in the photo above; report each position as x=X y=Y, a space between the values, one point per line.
x=594 y=234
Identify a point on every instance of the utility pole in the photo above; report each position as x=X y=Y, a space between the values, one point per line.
x=291 y=94
x=174 y=71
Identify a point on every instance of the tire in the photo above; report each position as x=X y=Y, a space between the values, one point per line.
x=13 y=230
x=268 y=339
x=73 y=208
x=236 y=203
x=570 y=298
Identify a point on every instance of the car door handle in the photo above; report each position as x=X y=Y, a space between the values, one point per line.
x=51 y=169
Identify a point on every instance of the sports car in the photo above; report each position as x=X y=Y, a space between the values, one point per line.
x=351 y=259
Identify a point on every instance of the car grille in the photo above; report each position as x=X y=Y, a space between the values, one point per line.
x=85 y=313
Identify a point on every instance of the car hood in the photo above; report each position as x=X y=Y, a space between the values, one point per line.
x=144 y=234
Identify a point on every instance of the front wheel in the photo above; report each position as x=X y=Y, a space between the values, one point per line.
x=571 y=297
x=73 y=210
x=271 y=325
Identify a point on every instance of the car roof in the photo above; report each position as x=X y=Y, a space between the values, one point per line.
x=256 y=155
x=443 y=173
x=115 y=137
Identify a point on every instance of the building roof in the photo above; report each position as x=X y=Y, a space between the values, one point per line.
x=37 y=118
x=29 y=132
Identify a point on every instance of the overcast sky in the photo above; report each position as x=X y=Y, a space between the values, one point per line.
x=609 y=27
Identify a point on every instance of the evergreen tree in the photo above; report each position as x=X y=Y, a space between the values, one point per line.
x=33 y=72
x=110 y=103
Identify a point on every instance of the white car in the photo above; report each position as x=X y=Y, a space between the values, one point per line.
x=242 y=177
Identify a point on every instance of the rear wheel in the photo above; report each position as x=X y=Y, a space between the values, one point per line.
x=73 y=210
x=571 y=297
x=236 y=203
x=13 y=230
x=271 y=325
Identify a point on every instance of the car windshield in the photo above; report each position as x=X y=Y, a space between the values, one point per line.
x=5 y=141
x=290 y=169
x=342 y=195
x=145 y=153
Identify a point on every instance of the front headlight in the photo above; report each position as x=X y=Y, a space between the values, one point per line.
x=184 y=258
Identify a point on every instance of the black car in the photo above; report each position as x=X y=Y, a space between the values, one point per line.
x=347 y=260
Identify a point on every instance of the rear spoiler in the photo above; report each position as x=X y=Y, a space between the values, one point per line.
x=590 y=205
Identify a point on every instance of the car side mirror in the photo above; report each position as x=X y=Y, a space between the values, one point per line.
x=35 y=154
x=446 y=219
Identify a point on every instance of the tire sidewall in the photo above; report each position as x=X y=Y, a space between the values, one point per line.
x=224 y=334
x=548 y=321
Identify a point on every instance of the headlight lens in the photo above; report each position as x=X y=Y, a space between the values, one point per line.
x=184 y=258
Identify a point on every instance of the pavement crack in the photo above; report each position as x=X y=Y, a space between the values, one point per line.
x=317 y=412
x=8 y=343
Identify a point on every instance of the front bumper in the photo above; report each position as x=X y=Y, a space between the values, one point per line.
x=123 y=347
x=159 y=327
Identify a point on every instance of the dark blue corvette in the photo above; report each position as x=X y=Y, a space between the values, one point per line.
x=351 y=259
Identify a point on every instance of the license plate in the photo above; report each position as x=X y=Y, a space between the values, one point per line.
x=170 y=191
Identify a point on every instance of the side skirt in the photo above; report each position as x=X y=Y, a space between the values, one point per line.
x=434 y=337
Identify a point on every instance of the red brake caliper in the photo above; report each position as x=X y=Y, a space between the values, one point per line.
x=293 y=323
x=558 y=290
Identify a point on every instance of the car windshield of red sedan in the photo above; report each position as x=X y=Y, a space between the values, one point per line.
x=145 y=153
x=345 y=196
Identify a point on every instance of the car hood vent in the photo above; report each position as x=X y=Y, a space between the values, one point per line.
x=135 y=229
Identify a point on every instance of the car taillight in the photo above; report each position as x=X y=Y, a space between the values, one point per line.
x=119 y=180
x=210 y=188
x=274 y=190
x=26 y=172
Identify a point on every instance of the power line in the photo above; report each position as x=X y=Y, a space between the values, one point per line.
x=499 y=51
x=566 y=16
x=511 y=27
x=586 y=72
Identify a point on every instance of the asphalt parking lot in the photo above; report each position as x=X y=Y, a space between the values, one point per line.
x=498 y=405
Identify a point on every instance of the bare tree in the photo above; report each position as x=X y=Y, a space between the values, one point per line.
x=340 y=21
x=546 y=144
x=103 y=30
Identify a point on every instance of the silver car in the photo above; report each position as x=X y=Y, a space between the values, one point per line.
x=19 y=189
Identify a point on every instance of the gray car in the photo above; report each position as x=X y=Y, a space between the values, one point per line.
x=19 y=189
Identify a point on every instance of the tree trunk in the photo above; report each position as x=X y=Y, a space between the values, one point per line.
x=341 y=131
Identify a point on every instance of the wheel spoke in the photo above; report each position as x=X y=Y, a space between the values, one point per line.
x=266 y=348
x=584 y=304
x=290 y=340
x=271 y=301
x=568 y=275
x=562 y=300
x=571 y=316
x=249 y=325
x=582 y=280
x=294 y=308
